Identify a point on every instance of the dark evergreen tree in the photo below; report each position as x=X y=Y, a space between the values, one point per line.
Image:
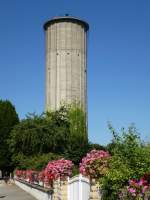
x=8 y=119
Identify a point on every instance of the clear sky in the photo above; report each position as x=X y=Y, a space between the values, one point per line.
x=118 y=59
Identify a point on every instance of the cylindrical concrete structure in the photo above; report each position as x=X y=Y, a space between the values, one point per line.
x=66 y=62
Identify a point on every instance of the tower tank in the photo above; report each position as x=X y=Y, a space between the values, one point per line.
x=66 y=62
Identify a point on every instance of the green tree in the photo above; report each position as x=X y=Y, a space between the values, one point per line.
x=8 y=119
x=38 y=135
x=60 y=132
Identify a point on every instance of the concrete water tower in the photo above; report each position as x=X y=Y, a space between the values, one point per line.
x=66 y=61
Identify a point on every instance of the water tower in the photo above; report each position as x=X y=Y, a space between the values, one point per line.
x=66 y=62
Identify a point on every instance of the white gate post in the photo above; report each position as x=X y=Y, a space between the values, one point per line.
x=80 y=187
x=68 y=188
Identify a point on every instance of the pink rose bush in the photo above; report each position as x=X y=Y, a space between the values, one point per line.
x=137 y=189
x=95 y=164
x=41 y=176
x=28 y=175
x=18 y=173
x=57 y=169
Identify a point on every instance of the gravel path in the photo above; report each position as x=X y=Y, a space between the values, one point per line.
x=12 y=192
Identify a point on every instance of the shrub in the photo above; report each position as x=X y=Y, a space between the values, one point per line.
x=136 y=190
x=95 y=164
x=130 y=160
x=58 y=169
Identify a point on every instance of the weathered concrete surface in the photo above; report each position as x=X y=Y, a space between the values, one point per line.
x=66 y=63
x=12 y=192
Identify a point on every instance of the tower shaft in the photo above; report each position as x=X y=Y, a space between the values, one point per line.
x=66 y=62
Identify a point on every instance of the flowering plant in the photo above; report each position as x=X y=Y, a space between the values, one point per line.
x=41 y=175
x=28 y=175
x=137 y=189
x=54 y=170
x=95 y=163
x=58 y=169
x=20 y=173
x=32 y=176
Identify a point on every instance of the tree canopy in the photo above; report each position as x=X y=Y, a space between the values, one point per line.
x=62 y=132
x=8 y=119
x=54 y=134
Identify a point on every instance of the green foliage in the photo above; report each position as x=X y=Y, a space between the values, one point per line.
x=95 y=146
x=75 y=170
x=117 y=176
x=8 y=118
x=37 y=135
x=78 y=141
x=130 y=159
x=59 y=132
x=37 y=162
x=77 y=121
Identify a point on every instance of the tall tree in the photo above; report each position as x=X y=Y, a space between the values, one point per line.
x=8 y=119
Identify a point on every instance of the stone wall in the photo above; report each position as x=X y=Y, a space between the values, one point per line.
x=95 y=192
x=60 y=190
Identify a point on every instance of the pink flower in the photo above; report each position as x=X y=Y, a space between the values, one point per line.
x=138 y=188
x=142 y=182
x=94 y=162
x=132 y=191
x=58 y=169
x=145 y=188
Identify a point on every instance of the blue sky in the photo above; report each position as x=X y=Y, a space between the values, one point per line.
x=118 y=59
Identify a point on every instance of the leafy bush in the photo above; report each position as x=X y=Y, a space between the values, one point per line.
x=58 y=169
x=130 y=160
x=95 y=164
x=137 y=189
x=37 y=162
